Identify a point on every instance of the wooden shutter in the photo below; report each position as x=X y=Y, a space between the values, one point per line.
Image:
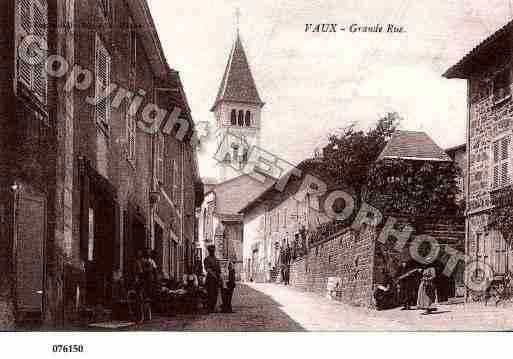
x=505 y=160
x=496 y=168
x=40 y=29
x=499 y=265
x=501 y=165
x=26 y=27
x=505 y=148
x=32 y=19
x=496 y=151
x=102 y=68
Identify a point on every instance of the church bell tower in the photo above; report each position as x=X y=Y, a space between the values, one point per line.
x=237 y=110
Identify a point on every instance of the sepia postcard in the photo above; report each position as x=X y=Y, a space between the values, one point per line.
x=255 y=166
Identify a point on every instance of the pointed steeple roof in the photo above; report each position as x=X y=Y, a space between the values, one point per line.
x=237 y=84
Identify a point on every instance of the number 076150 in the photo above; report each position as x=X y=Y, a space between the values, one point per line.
x=67 y=348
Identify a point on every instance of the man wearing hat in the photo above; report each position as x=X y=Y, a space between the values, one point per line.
x=213 y=279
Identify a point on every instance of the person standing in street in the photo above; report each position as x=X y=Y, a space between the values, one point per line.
x=406 y=285
x=283 y=265
x=288 y=258
x=228 y=290
x=427 y=291
x=213 y=279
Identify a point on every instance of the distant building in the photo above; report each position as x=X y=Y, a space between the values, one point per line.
x=220 y=222
x=487 y=69
x=283 y=216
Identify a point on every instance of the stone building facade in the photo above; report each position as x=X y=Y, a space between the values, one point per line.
x=487 y=71
x=81 y=190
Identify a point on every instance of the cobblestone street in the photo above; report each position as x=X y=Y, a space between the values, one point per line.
x=271 y=307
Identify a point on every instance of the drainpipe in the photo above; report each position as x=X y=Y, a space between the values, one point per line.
x=13 y=266
x=467 y=184
x=182 y=207
x=308 y=213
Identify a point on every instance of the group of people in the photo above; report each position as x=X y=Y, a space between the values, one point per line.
x=150 y=288
x=410 y=287
x=215 y=283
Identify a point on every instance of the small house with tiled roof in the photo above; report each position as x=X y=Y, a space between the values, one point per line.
x=412 y=145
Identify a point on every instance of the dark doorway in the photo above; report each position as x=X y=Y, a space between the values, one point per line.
x=101 y=251
x=135 y=241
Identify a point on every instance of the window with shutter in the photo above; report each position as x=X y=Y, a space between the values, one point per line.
x=501 y=162
x=40 y=29
x=102 y=69
x=25 y=28
x=107 y=9
x=500 y=257
x=33 y=20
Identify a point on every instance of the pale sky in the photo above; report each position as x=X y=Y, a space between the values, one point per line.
x=315 y=83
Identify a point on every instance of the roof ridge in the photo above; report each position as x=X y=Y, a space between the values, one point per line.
x=413 y=145
x=457 y=70
x=238 y=83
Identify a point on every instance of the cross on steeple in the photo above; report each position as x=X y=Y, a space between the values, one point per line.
x=237 y=19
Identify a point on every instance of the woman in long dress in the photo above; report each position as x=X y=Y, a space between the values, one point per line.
x=427 y=291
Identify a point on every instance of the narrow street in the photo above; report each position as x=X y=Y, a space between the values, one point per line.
x=271 y=307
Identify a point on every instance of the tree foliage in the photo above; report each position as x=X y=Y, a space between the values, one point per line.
x=501 y=220
x=349 y=155
x=415 y=187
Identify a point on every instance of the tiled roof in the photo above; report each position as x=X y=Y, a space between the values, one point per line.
x=238 y=84
x=413 y=145
x=236 y=193
x=460 y=69
x=311 y=166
